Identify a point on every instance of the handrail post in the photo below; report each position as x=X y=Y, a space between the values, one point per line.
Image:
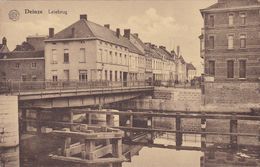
x=203 y=129
x=19 y=87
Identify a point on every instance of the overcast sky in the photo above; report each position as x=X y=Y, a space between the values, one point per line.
x=169 y=22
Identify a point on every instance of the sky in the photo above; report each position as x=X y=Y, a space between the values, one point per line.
x=163 y=22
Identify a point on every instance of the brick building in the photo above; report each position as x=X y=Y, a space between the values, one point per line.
x=25 y=63
x=230 y=46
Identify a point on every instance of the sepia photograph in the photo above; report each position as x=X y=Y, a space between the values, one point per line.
x=129 y=83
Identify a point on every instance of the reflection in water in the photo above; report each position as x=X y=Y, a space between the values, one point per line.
x=35 y=150
x=159 y=157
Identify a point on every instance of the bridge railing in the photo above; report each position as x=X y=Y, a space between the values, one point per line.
x=26 y=86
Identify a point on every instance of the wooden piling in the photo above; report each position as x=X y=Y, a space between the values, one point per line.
x=178 y=129
x=233 y=129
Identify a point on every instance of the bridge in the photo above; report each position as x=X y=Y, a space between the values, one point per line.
x=64 y=94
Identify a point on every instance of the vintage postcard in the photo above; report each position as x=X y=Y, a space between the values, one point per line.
x=130 y=83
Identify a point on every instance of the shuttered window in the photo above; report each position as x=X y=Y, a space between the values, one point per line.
x=211 y=42
x=230 y=69
x=212 y=68
x=242 y=68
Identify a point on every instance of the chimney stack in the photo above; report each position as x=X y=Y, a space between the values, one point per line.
x=148 y=44
x=178 y=50
x=107 y=26
x=153 y=46
x=136 y=35
x=4 y=41
x=73 y=32
x=117 y=32
x=51 y=32
x=162 y=47
x=127 y=33
x=83 y=17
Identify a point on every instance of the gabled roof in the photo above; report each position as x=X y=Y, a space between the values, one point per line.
x=182 y=60
x=22 y=54
x=153 y=52
x=167 y=54
x=25 y=46
x=3 y=48
x=229 y=5
x=140 y=42
x=89 y=30
x=190 y=66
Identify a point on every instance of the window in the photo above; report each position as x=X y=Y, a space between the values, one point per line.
x=242 y=68
x=116 y=59
x=34 y=78
x=106 y=75
x=66 y=75
x=82 y=55
x=54 y=76
x=17 y=65
x=211 y=68
x=99 y=56
x=111 y=57
x=242 y=41
x=243 y=18
x=83 y=75
x=54 y=56
x=231 y=42
x=115 y=75
x=120 y=57
x=231 y=19
x=66 y=56
x=106 y=56
x=125 y=60
x=230 y=69
x=23 y=77
x=120 y=75
x=211 y=21
x=110 y=76
x=33 y=65
x=211 y=42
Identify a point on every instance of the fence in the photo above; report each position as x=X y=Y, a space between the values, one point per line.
x=26 y=86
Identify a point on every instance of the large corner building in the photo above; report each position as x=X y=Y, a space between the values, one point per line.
x=230 y=46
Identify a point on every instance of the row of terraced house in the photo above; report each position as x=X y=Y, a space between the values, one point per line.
x=86 y=51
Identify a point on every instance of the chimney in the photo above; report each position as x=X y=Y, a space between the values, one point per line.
x=83 y=17
x=162 y=47
x=73 y=32
x=51 y=32
x=4 y=41
x=153 y=46
x=173 y=53
x=148 y=44
x=107 y=26
x=117 y=32
x=178 y=50
x=127 y=33
x=136 y=35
